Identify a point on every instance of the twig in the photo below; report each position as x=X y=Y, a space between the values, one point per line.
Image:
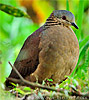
x=31 y=83
x=25 y=82
x=16 y=72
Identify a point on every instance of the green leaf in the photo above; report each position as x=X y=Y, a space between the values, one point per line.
x=83 y=42
x=19 y=90
x=81 y=55
x=13 y=11
x=27 y=89
x=80 y=17
x=50 y=80
x=13 y=84
x=67 y=5
x=87 y=58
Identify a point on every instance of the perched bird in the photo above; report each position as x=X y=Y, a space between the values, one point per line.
x=52 y=51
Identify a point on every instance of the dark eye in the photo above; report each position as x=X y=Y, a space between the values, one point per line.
x=64 y=17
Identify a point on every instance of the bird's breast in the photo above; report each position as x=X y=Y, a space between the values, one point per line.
x=59 y=50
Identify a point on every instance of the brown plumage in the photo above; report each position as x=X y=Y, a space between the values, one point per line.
x=50 y=52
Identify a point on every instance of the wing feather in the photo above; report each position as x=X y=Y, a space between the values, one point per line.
x=27 y=60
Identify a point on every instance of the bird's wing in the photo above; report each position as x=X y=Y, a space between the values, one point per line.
x=27 y=60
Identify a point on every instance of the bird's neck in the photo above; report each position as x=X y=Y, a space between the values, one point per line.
x=52 y=21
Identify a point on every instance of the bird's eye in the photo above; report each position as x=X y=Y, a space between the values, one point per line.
x=64 y=17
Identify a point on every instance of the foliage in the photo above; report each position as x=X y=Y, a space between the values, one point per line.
x=14 y=31
x=13 y=11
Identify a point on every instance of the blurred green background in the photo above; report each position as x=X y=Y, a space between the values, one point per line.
x=14 y=31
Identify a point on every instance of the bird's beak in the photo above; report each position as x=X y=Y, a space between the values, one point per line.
x=73 y=24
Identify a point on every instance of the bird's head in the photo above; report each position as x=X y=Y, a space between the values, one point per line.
x=65 y=17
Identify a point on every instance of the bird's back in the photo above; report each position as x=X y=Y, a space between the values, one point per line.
x=27 y=59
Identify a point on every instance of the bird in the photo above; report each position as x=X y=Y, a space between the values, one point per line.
x=51 y=52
